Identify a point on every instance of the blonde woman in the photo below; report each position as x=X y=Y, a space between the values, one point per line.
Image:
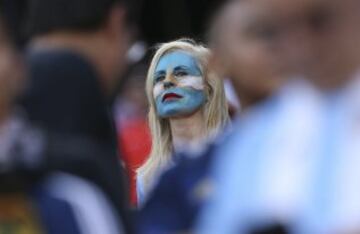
x=187 y=107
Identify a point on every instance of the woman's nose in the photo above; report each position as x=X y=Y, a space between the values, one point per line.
x=169 y=81
x=168 y=84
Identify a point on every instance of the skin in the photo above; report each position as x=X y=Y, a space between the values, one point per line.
x=319 y=38
x=259 y=43
x=334 y=48
x=244 y=50
x=178 y=85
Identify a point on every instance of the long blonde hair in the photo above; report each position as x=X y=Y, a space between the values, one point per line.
x=215 y=110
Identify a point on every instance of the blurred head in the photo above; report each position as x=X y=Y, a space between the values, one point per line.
x=180 y=83
x=332 y=35
x=104 y=23
x=318 y=38
x=243 y=46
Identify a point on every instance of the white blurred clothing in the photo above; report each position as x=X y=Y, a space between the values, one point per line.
x=295 y=160
x=334 y=201
x=268 y=163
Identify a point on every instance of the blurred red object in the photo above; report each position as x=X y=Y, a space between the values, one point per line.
x=135 y=144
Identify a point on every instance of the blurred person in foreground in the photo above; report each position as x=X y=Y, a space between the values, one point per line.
x=76 y=53
x=35 y=196
x=187 y=110
x=333 y=204
x=300 y=171
x=256 y=72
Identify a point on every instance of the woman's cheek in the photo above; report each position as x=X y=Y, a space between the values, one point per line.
x=157 y=90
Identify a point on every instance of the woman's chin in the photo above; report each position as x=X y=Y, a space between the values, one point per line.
x=180 y=114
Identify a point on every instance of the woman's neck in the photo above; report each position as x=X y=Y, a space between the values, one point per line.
x=188 y=133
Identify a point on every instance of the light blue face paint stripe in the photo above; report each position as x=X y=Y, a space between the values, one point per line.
x=178 y=59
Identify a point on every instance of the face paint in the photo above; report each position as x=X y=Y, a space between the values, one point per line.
x=179 y=102
x=195 y=82
x=186 y=95
x=178 y=60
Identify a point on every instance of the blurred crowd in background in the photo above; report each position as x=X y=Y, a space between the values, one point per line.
x=181 y=116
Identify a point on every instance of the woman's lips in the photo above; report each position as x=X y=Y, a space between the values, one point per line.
x=171 y=96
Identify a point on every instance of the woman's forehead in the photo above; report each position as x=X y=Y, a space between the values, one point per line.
x=175 y=59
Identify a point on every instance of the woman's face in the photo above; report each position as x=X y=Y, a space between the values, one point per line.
x=178 y=85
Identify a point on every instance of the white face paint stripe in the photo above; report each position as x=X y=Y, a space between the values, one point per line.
x=196 y=82
x=158 y=88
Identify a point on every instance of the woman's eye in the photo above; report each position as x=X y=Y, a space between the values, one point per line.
x=159 y=78
x=181 y=73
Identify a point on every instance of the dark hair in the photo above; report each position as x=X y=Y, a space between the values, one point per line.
x=7 y=33
x=45 y=16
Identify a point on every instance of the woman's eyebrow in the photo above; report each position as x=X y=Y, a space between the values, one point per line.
x=158 y=73
x=182 y=67
x=196 y=70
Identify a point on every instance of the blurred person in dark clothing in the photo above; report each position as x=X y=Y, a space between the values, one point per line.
x=94 y=37
x=36 y=195
x=76 y=53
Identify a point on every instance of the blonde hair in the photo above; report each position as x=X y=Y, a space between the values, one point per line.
x=215 y=110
